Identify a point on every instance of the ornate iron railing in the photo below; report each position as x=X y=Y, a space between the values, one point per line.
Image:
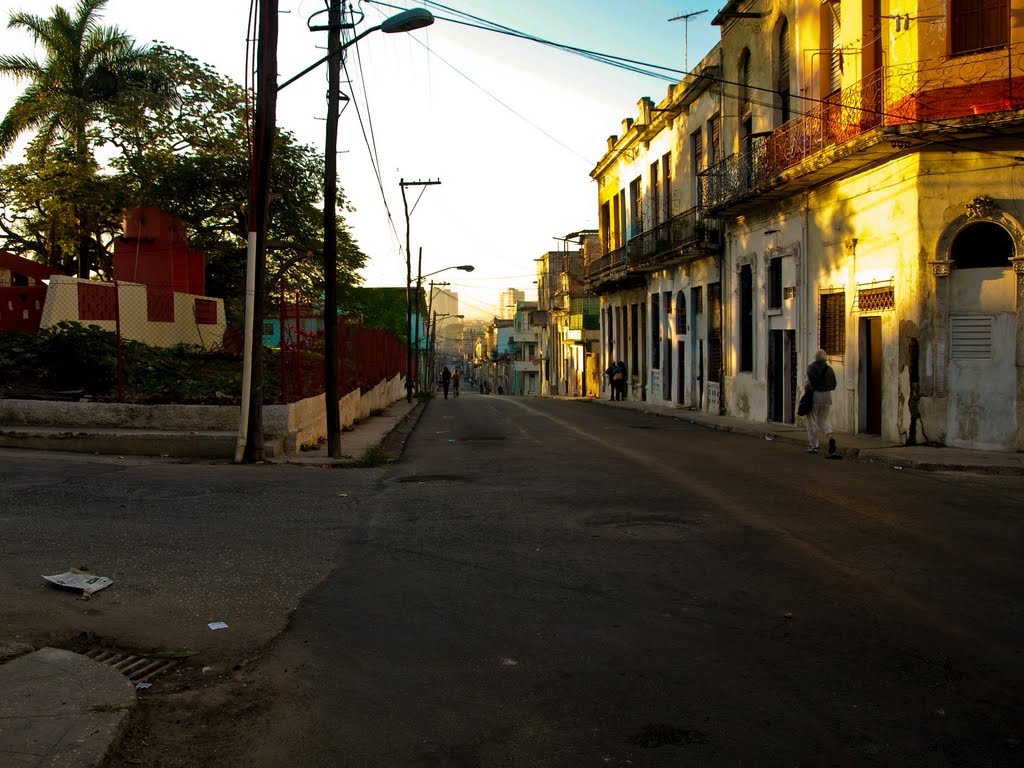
x=687 y=232
x=920 y=92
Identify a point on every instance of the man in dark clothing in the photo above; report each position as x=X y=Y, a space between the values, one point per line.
x=446 y=380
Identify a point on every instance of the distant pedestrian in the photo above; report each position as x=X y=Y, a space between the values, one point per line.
x=455 y=384
x=621 y=379
x=613 y=386
x=446 y=381
x=481 y=386
x=820 y=381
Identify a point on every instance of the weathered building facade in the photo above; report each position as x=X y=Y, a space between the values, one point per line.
x=864 y=181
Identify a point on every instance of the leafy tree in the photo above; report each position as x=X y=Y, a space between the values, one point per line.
x=190 y=157
x=187 y=155
x=87 y=68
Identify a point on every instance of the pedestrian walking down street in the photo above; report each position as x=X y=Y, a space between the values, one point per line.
x=821 y=380
x=455 y=384
x=446 y=381
x=622 y=380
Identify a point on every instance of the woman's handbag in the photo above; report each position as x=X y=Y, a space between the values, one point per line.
x=806 y=403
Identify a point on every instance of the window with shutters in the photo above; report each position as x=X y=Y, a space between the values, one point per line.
x=832 y=321
x=654 y=187
x=782 y=67
x=978 y=25
x=714 y=140
x=636 y=201
x=666 y=181
x=832 y=63
x=681 y=328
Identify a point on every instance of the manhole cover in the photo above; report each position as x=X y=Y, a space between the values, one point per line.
x=139 y=668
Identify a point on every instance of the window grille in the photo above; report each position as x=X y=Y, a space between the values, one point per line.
x=832 y=321
x=875 y=296
x=698 y=300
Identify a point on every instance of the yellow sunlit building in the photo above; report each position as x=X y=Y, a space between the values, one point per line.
x=867 y=192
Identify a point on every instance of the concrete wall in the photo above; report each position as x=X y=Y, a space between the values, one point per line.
x=62 y=304
x=286 y=427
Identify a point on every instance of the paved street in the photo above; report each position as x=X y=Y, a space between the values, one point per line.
x=548 y=583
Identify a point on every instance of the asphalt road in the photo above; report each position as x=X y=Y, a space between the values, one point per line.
x=544 y=583
x=539 y=583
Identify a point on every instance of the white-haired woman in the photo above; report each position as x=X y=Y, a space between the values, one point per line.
x=821 y=380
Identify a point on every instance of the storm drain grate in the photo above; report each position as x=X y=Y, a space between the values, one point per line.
x=137 y=668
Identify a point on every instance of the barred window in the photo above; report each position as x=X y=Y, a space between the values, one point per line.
x=832 y=322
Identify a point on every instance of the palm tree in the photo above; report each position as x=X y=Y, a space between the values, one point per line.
x=86 y=67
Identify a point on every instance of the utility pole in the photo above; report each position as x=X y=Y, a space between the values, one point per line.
x=686 y=33
x=331 y=346
x=250 y=436
x=408 y=282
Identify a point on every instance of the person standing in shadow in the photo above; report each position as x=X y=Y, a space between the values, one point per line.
x=446 y=381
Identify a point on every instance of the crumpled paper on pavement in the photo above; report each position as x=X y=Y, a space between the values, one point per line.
x=77 y=579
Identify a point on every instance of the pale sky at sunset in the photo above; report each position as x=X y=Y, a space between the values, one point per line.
x=506 y=188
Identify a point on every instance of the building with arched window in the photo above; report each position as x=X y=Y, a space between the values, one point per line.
x=869 y=208
x=858 y=165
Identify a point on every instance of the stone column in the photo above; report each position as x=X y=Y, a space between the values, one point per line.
x=941 y=269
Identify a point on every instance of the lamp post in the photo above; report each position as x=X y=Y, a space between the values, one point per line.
x=250 y=432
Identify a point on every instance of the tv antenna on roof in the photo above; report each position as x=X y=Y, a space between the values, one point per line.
x=686 y=33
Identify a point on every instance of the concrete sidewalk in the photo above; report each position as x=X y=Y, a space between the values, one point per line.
x=866 y=447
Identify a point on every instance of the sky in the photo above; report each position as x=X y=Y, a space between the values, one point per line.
x=510 y=128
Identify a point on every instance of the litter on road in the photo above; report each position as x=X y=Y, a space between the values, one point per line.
x=78 y=579
x=217 y=625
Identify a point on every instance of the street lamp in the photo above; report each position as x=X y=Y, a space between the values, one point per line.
x=250 y=430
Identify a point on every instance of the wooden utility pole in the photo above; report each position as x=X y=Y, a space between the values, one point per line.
x=331 y=346
x=408 y=282
x=260 y=169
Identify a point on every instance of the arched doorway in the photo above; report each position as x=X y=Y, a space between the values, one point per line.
x=981 y=334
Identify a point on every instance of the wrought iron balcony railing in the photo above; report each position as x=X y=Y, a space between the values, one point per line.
x=686 y=234
x=921 y=93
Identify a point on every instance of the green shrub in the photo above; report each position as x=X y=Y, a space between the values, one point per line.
x=77 y=356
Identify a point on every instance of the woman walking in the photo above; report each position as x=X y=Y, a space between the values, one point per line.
x=821 y=380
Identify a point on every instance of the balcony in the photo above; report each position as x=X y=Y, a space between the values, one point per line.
x=686 y=236
x=683 y=237
x=857 y=125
